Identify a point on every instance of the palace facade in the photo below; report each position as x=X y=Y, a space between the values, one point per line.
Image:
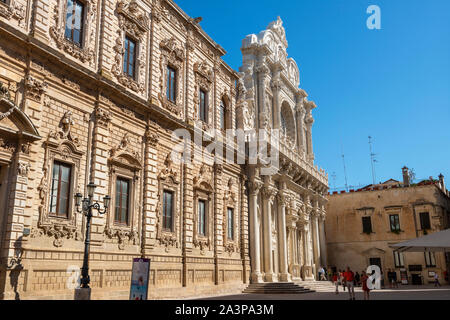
x=92 y=91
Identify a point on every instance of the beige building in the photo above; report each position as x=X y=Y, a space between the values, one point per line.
x=362 y=224
x=92 y=90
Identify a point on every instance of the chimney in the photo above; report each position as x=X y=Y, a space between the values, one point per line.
x=442 y=182
x=405 y=172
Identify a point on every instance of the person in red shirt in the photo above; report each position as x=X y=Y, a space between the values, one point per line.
x=365 y=288
x=350 y=278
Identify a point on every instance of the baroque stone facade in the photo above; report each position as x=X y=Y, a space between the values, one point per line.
x=287 y=206
x=71 y=106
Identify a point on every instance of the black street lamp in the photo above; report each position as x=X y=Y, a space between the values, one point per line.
x=87 y=205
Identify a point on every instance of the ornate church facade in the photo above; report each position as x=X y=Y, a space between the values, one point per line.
x=92 y=91
x=287 y=208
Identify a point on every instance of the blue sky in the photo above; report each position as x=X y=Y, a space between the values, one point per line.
x=392 y=84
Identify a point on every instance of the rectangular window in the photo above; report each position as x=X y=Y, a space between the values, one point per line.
x=425 y=220
x=60 y=193
x=168 y=211
x=122 y=201
x=74 y=21
x=395 y=222
x=430 y=260
x=129 y=57
x=222 y=116
x=367 y=225
x=230 y=224
x=203 y=108
x=171 y=84
x=202 y=217
x=398 y=259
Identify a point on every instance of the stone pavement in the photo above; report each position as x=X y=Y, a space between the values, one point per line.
x=406 y=292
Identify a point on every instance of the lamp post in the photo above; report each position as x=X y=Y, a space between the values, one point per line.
x=87 y=204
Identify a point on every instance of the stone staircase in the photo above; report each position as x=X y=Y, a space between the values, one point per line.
x=323 y=286
x=276 y=288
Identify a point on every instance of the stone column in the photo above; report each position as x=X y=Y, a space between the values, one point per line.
x=323 y=245
x=276 y=87
x=300 y=127
x=256 y=276
x=316 y=242
x=263 y=72
x=284 y=275
x=268 y=193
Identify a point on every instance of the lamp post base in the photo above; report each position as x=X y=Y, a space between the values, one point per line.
x=82 y=294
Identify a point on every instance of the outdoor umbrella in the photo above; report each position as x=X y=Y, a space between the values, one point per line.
x=438 y=241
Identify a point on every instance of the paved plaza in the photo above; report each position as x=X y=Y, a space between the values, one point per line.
x=409 y=292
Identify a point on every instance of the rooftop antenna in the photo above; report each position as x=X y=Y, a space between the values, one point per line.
x=345 y=169
x=333 y=175
x=372 y=160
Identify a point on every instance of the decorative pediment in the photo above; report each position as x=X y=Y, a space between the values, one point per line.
x=202 y=69
x=13 y=121
x=131 y=18
x=124 y=155
x=204 y=180
x=172 y=48
x=168 y=171
x=374 y=252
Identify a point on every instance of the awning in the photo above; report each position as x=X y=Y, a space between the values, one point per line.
x=438 y=241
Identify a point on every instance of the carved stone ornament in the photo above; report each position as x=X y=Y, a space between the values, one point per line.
x=85 y=52
x=135 y=23
x=34 y=88
x=8 y=146
x=131 y=19
x=23 y=168
x=12 y=9
x=65 y=131
x=123 y=236
x=57 y=231
x=168 y=170
x=4 y=94
x=151 y=137
x=204 y=179
x=172 y=54
x=102 y=116
x=168 y=241
x=125 y=147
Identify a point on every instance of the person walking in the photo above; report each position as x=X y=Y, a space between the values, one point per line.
x=357 y=279
x=336 y=281
x=350 y=279
x=322 y=275
x=343 y=282
x=365 y=288
x=394 y=278
x=390 y=279
x=436 y=280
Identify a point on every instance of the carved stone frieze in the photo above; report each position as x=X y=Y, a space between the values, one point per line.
x=122 y=236
x=65 y=129
x=102 y=116
x=12 y=9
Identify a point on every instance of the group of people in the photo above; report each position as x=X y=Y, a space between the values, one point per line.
x=349 y=279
